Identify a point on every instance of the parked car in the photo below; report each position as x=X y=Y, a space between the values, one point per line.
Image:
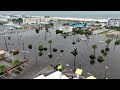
x=15 y=51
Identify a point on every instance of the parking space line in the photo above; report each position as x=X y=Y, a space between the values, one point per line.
x=19 y=71
x=13 y=74
x=26 y=64
x=23 y=68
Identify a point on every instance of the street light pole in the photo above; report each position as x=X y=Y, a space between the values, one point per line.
x=24 y=50
x=5 y=42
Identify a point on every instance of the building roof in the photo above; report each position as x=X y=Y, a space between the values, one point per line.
x=91 y=77
x=78 y=25
x=40 y=77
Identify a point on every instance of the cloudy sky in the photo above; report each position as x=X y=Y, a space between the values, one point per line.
x=64 y=13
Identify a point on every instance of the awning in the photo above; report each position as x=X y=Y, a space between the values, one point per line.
x=91 y=77
x=40 y=77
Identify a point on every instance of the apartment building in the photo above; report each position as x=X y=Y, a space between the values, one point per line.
x=113 y=22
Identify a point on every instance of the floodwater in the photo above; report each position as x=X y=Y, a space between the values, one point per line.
x=60 y=43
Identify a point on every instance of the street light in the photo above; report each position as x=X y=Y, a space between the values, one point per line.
x=106 y=72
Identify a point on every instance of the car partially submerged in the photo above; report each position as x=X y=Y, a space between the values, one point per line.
x=15 y=51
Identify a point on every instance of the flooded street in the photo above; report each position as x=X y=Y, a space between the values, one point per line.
x=60 y=43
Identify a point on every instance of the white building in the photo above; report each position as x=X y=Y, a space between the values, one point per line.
x=31 y=20
x=65 y=28
x=45 y=18
x=113 y=22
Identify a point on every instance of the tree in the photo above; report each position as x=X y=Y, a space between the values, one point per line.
x=50 y=42
x=107 y=49
x=16 y=62
x=37 y=30
x=40 y=48
x=94 y=47
x=61 y=51
x=40 y=53
x=30 y=46
x=19 y=20
x=102 y=51
x=2 y=69
x=108 y=41
x=92 y=57
x=100 y=59
x=45 y=49
x=54 y=50
x=117 y=42
x=73 y=39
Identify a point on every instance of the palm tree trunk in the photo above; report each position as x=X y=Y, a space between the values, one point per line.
x=73 y=37
x=76 y=38
x=94 y=52
x=50 y=48
x=74 y=63
x=24 y=51
x=45 y=36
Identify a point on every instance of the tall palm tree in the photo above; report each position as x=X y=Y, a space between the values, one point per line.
x=108 y=41
x=73 y=39
x=50 y=42
x=74 y=62
x=94 y=48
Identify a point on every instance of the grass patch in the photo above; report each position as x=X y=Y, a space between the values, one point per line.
x=104 y=32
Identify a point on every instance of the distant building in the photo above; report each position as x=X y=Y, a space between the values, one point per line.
x=31 y=20
x=65 y=28
x=113 y=22
x=45 y=18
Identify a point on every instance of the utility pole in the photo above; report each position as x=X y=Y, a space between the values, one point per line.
x=5 y=42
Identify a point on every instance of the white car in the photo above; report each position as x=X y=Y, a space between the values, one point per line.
x=101 y=41
x=83 y=39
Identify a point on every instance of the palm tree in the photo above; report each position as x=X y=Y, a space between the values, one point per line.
x=54 y=50
x=94 y=47
x=61 y=51
x=73 y=39
x=40 y=53
x=92 y=61
x=2 y=69
x=40 y=48
x=37 y=30
x=19 y=20
x=108 y=41
x=100 y=59
x=50 y=42
x=45 y=49
x=30 y=46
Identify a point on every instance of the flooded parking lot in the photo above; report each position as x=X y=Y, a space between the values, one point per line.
x=60 y=43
